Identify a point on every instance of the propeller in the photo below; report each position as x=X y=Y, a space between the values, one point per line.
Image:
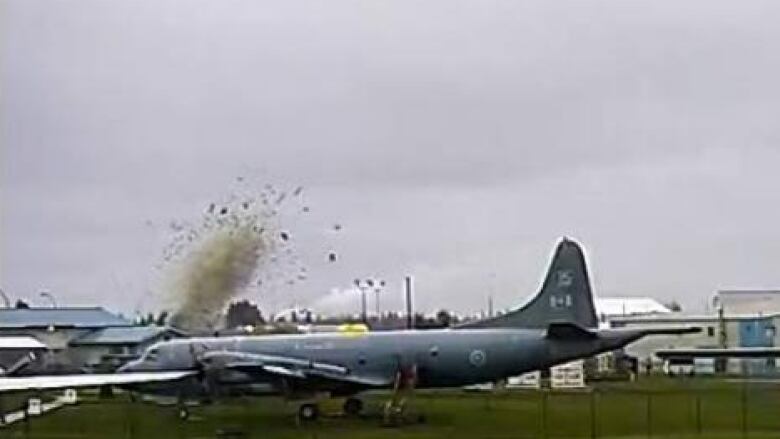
x=207 y=370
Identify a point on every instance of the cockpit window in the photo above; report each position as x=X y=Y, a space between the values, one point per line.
x=152 y=354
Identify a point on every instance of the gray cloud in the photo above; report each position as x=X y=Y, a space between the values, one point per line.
x=455 y=140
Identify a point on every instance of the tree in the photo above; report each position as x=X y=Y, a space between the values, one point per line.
x=243 y=313
x=161 y=319
x=443 y=318
x=21 y=304
x=674 y=306
x=150 y=319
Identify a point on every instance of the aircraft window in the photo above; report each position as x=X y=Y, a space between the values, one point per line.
x=362 y=359
x=434 y=351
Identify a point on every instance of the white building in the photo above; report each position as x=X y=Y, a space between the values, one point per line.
x=744 y=302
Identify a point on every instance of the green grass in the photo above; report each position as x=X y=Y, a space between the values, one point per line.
x=651 y=408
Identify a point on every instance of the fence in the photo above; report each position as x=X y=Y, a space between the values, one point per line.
x=650 y=410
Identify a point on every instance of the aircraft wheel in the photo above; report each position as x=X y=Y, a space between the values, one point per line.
x=353 y=406
x=184 y=413
x=308 y=412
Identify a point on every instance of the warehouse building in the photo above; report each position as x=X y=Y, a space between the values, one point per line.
x=745 y=319
x=77 y=338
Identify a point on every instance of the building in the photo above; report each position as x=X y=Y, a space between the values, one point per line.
x=746 y=301
x=611 y=307
x=113 y=346
x=82 y=337
x=718 y=331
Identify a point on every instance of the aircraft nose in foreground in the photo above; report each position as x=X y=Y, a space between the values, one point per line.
x=131 y=366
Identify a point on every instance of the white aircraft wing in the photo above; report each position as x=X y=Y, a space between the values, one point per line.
x=43 y=382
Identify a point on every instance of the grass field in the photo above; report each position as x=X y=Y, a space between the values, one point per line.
x=652 y=408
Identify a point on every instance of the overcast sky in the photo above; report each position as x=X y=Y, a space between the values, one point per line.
x=454 y=140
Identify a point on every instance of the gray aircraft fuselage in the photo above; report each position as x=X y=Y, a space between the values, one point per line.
x=443 y=358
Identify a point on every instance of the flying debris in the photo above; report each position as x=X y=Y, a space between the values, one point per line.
x=337 y=227
x=238 y=245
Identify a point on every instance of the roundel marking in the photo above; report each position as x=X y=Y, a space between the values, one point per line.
x=477 y=358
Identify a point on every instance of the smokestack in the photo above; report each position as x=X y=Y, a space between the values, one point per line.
x=409 y=315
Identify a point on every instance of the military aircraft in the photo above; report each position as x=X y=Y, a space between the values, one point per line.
x=558 y=325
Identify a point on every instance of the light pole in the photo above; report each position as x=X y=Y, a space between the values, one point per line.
x=49 y=296
x=378 y=285
x=364 y=285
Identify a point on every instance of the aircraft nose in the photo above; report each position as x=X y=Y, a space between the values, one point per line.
x=131 y=366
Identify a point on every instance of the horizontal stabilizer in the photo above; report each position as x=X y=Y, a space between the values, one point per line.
x=680 y=330
x=760 y=352
x=569 y=331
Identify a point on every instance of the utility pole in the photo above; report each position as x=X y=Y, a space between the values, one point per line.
x=408 y=290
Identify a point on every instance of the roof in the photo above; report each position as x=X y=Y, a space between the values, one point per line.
x=59 y=317
x=688 y=318
x=626 y=306
x=748 y=292
x=21 y=342
x=125 y=335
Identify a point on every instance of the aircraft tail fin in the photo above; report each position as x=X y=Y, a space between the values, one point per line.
x=565 y=296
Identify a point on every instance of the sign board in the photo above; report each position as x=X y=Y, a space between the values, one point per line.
x=70 y=396
x=34 y=407
x=530 y=380
x=704 y=366
x=568 y=376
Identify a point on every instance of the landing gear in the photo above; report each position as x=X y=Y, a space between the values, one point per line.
x=308 y=412
x=353 y=406
x=403 y=389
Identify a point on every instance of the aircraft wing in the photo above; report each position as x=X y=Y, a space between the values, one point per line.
x=44 y=382
x=291 y=367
